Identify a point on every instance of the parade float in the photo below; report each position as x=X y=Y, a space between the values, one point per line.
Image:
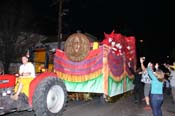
x=82 y=67
x=97 y=67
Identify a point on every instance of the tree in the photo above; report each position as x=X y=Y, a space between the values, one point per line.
x=25 y=41
x=15 y=18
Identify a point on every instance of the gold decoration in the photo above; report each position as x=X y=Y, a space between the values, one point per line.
x=77 y=47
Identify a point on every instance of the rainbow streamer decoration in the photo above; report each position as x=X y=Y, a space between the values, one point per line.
x=97 y=73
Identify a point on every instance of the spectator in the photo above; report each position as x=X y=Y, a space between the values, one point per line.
x=147 y=84
x=157 y=66
x=156 y=90
x=167 y=86
x=138 y=85
x=172 y=79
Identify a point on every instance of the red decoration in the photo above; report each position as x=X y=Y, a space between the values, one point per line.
x=108 y=38
x=114 y=41
x=129 y=47
x=120 y=44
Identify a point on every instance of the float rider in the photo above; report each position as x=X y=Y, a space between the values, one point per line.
x=26 y=75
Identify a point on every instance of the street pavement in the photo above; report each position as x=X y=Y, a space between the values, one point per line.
x=123 y=106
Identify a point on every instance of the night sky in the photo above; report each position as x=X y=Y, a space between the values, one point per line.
x=148 y=20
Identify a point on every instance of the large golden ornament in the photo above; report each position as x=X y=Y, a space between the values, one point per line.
x=77 y=47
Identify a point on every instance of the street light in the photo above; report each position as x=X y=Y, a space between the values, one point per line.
x=141 y=40
x=140 y=47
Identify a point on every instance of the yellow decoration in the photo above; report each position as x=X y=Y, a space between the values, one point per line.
x=95 y=45
x=78 y=78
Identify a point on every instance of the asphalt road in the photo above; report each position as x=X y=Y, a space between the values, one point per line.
x=122 y=107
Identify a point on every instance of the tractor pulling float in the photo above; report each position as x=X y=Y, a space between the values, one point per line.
x=47 y=95
x=83 y=67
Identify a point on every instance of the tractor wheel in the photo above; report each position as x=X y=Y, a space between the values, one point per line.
x=50 y=97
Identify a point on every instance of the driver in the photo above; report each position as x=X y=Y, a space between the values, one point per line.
x=26 y=75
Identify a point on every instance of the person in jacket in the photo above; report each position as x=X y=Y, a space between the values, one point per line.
x=138 y=85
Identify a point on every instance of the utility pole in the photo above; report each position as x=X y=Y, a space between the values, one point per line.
x=60 y=23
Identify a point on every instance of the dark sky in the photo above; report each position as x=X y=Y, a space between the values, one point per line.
x=149 y=20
